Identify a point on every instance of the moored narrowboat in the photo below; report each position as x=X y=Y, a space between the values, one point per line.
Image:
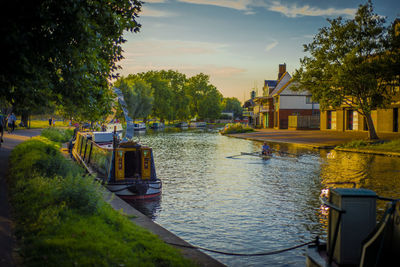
x=125 y=168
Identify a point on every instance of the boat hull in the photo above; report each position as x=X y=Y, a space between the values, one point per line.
x=138 y=189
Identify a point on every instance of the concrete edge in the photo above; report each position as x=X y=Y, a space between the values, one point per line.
x=140 y=219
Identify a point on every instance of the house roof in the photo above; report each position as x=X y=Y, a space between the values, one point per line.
x=282 y=83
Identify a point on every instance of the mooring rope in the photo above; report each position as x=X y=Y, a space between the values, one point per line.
x=247 y=254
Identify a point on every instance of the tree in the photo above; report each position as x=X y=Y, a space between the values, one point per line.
x=347 y=65
x=63 y=52
x=137 y=95
x=161 y=93
x=232 y=104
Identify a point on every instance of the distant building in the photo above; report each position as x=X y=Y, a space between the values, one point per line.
x=278 y=102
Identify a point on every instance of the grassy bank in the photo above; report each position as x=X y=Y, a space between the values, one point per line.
x=388 y=146
x=232 y=128
x=61 y=218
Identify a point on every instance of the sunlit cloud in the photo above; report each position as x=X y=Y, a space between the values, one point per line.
x=233 y=4
x=188 y=69
x=271 y=45
x=154 y=1
x=151 y=12
x=170 y=48
x=294 y=11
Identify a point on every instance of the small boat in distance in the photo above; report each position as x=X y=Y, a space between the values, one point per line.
x=199 y=124
x=125 y=168
x=138 y=126
x=182 y=125
x=256 y=154
x=157 y=125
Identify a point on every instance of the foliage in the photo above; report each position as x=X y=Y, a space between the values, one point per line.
x=232 y=104
x=205 y=99
x=137 y=95
x=347 y=65
x=232 y=128
x=57 y=134
x=62 y=53
x=62 y=219
x=174 y=97
x=388 y=146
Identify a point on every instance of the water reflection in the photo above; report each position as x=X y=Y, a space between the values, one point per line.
x=247 y=204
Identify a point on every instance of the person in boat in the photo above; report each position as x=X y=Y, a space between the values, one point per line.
x=266 y=150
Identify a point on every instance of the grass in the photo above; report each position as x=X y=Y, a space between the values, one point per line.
x=57 y=134
x=61 y=218
x=388 y=146
x=38 y=124
x=231 y=128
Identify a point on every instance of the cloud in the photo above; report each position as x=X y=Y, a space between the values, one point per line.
x=170 y=48
x=151 y=12
x=154 y=1
x=242 y=5
x=271 y=45
x=294 y=11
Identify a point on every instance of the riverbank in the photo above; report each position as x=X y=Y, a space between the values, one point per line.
x=55 y=238
x=316 y=139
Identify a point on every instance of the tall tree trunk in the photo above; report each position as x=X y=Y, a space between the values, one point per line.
x=25 y=118
x=371 y=128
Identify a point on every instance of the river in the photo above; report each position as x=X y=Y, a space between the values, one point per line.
x=250 y=205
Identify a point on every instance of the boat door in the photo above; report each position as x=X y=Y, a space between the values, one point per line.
x=146 y=163
x=119 y=165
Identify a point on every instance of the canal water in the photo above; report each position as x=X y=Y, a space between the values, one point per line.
x=246 y=204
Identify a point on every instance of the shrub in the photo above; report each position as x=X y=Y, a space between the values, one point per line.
x=231 y=128
x=57 y=134
x=61 y=218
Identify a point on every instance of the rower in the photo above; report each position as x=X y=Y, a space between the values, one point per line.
x=266 y=150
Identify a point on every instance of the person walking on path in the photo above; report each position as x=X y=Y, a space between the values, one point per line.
x=2 y=125
x=11 y=122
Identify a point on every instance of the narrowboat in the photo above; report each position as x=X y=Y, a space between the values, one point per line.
x=126 y=168
x=157 y=125
x=200 y=124
x=182 y=125
x=354 y=237
x=139 y=126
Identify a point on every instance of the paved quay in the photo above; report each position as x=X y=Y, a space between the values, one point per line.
x=309 y=138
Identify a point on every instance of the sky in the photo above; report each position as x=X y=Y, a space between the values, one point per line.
x=238 y=43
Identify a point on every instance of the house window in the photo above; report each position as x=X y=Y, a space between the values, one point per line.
x=349 y=115
x=309 y=100
x=329 y=119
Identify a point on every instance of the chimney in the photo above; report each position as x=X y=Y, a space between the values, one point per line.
x=282 y=70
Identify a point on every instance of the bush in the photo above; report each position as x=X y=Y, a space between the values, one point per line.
x=62 y=220
x=57 y=134
x=231 y=128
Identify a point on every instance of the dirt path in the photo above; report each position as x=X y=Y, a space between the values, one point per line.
x=7 y=241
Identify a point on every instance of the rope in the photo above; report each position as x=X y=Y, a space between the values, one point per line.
x=246 y=254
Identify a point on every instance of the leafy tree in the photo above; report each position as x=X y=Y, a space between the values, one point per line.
x=137 y=95
x=347 y=65
x=205 y=100
x=63 y=52
x=161 y=93
x=180 y=101
x=232 y=104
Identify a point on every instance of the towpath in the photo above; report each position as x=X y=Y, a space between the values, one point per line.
x=309 y=138
x=7 y=242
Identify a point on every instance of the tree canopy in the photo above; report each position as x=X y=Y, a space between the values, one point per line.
x=176 y=97
x=232 y=104
x=348 y=65
x=63 y=52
